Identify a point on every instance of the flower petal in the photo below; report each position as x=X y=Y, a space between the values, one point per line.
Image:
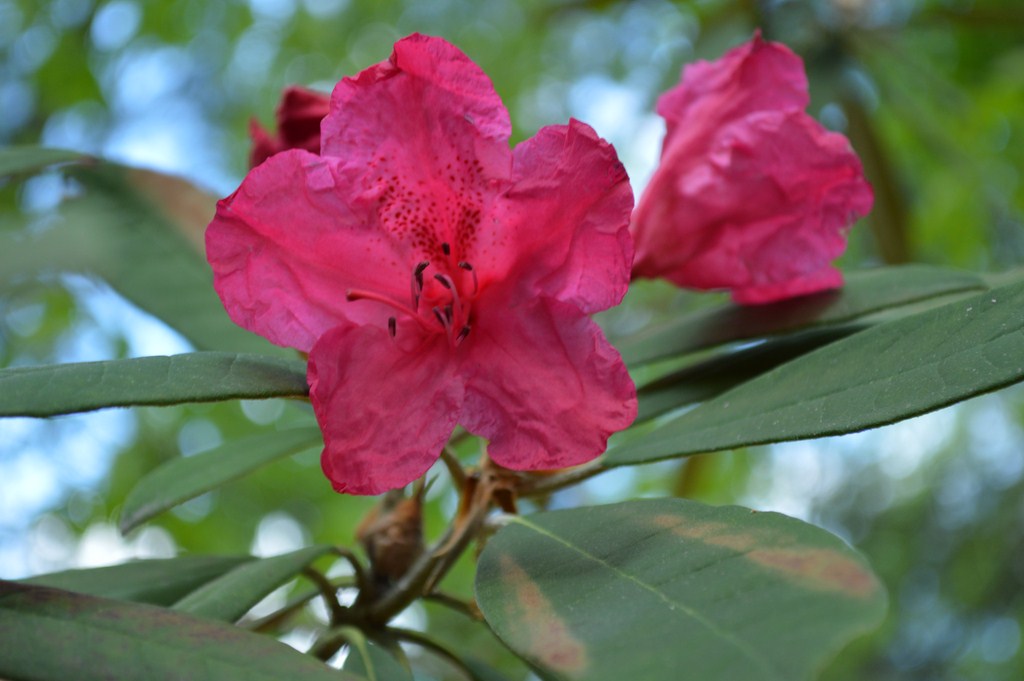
x=763 y=212
x=569 y=213
x=290 y=241
x=755 y=76
x=426 y=80
x=425 y=137
x=544 y=386
x=385 y=408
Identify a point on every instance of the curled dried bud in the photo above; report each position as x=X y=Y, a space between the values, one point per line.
x=392 y=534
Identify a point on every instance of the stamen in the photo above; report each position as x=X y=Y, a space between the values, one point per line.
x=469 y=268
x=448 y=313
x=418 y=272
x=446 y=249
x=462 y=334
x=358 y=294
x=447 y=282
x=417 y=283
x=392 y=326
x=442 y=319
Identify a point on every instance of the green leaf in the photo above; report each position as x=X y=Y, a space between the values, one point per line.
x=53 y=635
x=25 y=160
x=158 y=581
x=231 y=595
x=182 y=479
x=889 y=372
x=481 y=671
x=371 y=661
x=193 y=377
x=668 y=589
x=865 y=293
x=714 y=376
x=142 y=233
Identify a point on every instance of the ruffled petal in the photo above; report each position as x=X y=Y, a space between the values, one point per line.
x=290 y=241
x=425 y=137
x=763 y=212
x=568 y=219
x=544 y=386
x=385 y=408
x=755 y=76
x=426 y=83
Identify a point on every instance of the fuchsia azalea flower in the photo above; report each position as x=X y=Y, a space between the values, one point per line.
x=298 y=125
x=752 y=194
x=435 y=276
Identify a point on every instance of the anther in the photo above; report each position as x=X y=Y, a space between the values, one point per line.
x=469 y=268
x=445 y=281
x=417 y=283
x=418 y=272
x=462 y=334
x=446 y=249
x=392 y=326
x=441 y=318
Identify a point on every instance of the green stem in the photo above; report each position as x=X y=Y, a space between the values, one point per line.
x=279 y=617
x=329 y=593
x=545 y=484
x=435 y=647
x=467 y=608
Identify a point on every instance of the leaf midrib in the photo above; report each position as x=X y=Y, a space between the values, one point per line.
x=678 y=607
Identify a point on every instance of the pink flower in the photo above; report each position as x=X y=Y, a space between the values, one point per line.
x=752 y=194
x=298 y=125
x=435 y=276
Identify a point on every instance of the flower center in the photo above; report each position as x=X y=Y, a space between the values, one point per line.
x=442 y=292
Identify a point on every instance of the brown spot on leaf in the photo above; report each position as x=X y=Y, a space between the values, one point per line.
x=824 y=569
x=718 y=534
x=536 y=629
x=816 y=568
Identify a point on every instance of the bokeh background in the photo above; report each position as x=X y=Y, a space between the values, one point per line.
x=931 y=93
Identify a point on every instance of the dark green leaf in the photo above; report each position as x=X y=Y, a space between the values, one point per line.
x=665 y=589
x=864 y=293
x=142 y=233
x=151 y=261
x=156 y=581
x=53 y=635
x=194 y=377
x=711 y=377
x=182 y=479
x=21 y=160
x=483 y=672
x=889 y=372
x=231 y=595
x=372 y=661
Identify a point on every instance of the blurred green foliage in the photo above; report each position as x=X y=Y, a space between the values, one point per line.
x=929 y=92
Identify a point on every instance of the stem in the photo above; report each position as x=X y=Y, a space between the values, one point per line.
x=330 y=595
x=325 y=649
x=363 y=583
x=427 y=570
x=435 y=647
x=543 y=484
x=455 y=469
x=279 y=617
x=467 y=608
